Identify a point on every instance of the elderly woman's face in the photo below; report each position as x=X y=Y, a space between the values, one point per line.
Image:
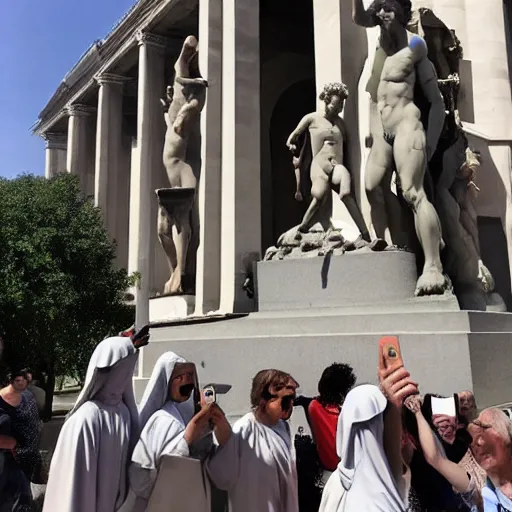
x=489 y=447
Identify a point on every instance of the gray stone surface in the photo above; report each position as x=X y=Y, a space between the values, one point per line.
x=366 y=280
x=446 y=351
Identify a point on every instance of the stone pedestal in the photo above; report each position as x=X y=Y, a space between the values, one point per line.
x=304 y=326
x=376 y=281
x=163 y=309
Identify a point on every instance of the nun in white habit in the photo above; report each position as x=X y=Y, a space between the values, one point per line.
x=255 y=463
x=169 y=426
x=364 y=479
x=88 y=468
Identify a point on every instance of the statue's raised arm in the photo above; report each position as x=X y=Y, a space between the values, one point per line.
x=362 y=17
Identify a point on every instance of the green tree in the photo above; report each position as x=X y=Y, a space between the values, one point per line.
x=60 y=293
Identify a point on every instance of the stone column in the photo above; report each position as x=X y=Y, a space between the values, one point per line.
x=77 y=154
x=209 y=251
x=145 y=160
x=108 y=148
x=340 y=54
x=56 y=146
x=241 y=203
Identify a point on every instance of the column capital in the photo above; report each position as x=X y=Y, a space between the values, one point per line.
x=80 y=110
x=55 y=140
x=110 y=78
x=149 y=39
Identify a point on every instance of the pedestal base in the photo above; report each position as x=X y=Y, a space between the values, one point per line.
x=445 y=351
x=172 y=307
x=378 y=281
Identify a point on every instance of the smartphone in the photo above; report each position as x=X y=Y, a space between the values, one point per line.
x=444 y=406
x=144 y=331
x=209 y=394
x=390 y=353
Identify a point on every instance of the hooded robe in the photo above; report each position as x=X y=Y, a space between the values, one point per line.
x=162 y=424
x=363 y=479
x=257 y=467
x=88 y=468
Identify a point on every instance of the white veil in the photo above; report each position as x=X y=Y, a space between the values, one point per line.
x=107 y=354
x=363 y=479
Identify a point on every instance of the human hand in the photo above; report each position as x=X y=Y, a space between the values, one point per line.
x=292 y=147
x=396 y=385
x=298 y=196
x=198 y=426
x=413 y=403
x=222 y=428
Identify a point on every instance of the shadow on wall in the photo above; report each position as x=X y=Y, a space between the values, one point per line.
x=294 y=103
x=491 y=208
x=495 y=255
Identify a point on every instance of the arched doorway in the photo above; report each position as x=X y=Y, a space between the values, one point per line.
x=293 y=104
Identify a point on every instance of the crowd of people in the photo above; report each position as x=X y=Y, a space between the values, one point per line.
x=380 y=448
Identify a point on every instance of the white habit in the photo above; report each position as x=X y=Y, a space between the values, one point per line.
x=363 y=478
x=163 y=424
x=257 y=468
x=88 y=468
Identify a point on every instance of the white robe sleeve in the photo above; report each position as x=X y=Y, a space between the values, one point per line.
x=223 y=467
x=73 y=471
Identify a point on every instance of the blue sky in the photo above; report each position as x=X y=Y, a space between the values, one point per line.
x=41 y=41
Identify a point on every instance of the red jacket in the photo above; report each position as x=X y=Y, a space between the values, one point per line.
x=324 y=422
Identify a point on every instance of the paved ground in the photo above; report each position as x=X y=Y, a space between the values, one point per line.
x=64 y=402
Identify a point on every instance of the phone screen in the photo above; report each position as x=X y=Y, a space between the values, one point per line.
x=444 y=406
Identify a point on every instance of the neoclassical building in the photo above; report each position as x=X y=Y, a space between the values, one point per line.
x=265 y=61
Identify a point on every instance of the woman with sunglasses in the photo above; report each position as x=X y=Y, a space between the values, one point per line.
x=171 y=424
x=255 y=463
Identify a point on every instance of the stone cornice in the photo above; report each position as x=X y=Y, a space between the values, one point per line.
x=110 y=78
x=110 y=50
x=149 y=39
x=80 y=110
x=56 y=140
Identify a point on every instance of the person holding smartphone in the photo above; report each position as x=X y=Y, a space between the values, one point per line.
x=88 y=468
x=173 y=421
x=255 y=462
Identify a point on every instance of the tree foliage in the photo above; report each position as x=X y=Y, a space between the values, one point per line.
x=60 y=293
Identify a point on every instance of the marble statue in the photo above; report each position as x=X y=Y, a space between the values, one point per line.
x=453 y=169
x=324 y=134
x=399 y=141
x=178 y=219
x=327 y=134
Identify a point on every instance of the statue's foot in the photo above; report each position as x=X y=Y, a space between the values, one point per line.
x=173 y=286
x=358 y=243
x=431 y=282
x=378 y=245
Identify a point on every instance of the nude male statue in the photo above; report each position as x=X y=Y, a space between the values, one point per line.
x=399 y=140
x=328 y=134
x=178 y=221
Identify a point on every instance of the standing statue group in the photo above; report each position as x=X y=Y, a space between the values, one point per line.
x=420 y=143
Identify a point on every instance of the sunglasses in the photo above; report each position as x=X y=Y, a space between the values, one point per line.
x=286 y=401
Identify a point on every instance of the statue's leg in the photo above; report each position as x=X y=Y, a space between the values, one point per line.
x=379 y=162
x=341 y=176
x=181 y=237
x=320 y=187
x=165 y=237
x=409 y=154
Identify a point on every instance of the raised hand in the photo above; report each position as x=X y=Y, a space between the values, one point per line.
x=397 y=385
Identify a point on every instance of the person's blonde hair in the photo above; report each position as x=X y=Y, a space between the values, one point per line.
x=500 y=422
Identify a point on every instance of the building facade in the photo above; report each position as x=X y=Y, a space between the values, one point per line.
x=265 y=62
